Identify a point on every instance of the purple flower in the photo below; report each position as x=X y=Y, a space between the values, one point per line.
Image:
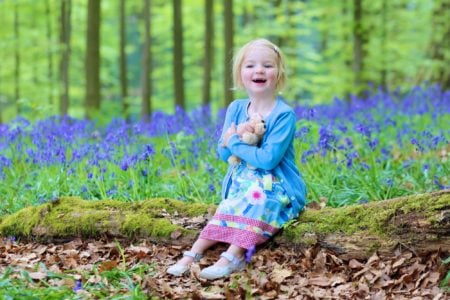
x=78 y=286
x=124 y=165
x=249 y=254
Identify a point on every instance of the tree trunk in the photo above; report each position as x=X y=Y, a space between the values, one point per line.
x=123 y=60
x=64 y=41
x=420 y=223
x=48 y=23
x=228 y=54
x=438 y=54
x=146 y=84
x=358 y=43
x=17 y=59
x=209 y=54
x=92 y=65
x=178 y=54
x=384 y=41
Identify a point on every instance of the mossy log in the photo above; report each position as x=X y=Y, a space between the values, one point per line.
x=420 y=223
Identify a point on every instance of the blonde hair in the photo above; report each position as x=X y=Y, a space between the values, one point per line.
x=239 y=59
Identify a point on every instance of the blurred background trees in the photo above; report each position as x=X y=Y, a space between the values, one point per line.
x=127 y=59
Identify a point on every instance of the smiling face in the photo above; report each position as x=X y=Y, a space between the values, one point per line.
x=259 y=71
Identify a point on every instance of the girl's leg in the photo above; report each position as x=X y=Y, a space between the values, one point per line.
x=235 y=250
x=198 y=247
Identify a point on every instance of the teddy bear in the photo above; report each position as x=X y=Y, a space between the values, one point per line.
x=252 y=135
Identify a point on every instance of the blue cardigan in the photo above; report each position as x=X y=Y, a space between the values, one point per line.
x=276 y=152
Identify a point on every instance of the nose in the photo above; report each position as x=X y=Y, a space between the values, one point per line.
x=259 y=70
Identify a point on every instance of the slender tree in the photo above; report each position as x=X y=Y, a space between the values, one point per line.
x=208 y=60
x=64 y=41
x=92 y=66
x=228 y=54
x=383 y=42
x=438 y=53
x=17 y=59
x=178 y=54
x=49 y=34
x=146 y=84
x=123 y=60
x=358 y=43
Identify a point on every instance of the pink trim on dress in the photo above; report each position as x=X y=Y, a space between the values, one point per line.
x=238 y=237
x=247 y=221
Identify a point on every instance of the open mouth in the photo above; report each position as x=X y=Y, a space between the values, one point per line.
x=258 y=80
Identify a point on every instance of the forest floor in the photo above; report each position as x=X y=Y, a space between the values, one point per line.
x=275 y=272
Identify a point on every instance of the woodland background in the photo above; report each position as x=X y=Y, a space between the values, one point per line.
x=92 y=58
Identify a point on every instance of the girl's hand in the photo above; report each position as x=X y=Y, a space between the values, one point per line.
x=230 y=131
x=245 y=127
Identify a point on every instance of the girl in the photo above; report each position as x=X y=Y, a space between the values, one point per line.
x=257 y=200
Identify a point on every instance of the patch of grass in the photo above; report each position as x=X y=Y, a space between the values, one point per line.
x=116 y=283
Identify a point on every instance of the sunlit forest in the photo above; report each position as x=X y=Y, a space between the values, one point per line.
x=131 y=58
x=110 y=117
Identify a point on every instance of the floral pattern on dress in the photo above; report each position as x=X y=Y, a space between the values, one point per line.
x=255 y=194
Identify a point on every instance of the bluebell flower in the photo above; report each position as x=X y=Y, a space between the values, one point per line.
x=124 y=165
x=78 y=286
x=249 y=253
x=373 y=143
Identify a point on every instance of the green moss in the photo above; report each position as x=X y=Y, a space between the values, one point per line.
x=144 y=225
x=22 y=221
x=173 y=206
x=372 y=218
x=72 y=216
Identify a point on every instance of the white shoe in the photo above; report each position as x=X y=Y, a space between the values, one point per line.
x=179 y=270
x=215 y=272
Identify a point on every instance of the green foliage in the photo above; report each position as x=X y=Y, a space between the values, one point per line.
x=316 y=37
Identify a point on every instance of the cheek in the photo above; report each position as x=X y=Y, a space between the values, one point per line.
x=245 y=76
x=273 y=75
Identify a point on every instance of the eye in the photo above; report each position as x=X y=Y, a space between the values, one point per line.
x=248 y=66
x=268 y=66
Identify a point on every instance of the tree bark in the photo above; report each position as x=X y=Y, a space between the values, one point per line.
x=146 y=83
x=92 y=65
x=123 y=60
x=228 y=55
x=209 y=58
x=178 y=54
x=49 y=35
x=64 y=41
x=420 y=223
x=438 y=54
x=358 y=43
x=17 y=59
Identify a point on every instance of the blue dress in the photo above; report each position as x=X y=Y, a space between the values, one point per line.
x=256 y=208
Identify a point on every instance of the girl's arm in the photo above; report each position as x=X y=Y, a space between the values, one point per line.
x=271 y=152
x=224 y=152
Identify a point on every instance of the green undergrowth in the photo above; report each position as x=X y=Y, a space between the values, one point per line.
x=120 y=282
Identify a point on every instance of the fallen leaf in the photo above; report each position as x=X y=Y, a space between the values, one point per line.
x=176 y=234
x=107 y=266
x=280 y=274
x=37 y=275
